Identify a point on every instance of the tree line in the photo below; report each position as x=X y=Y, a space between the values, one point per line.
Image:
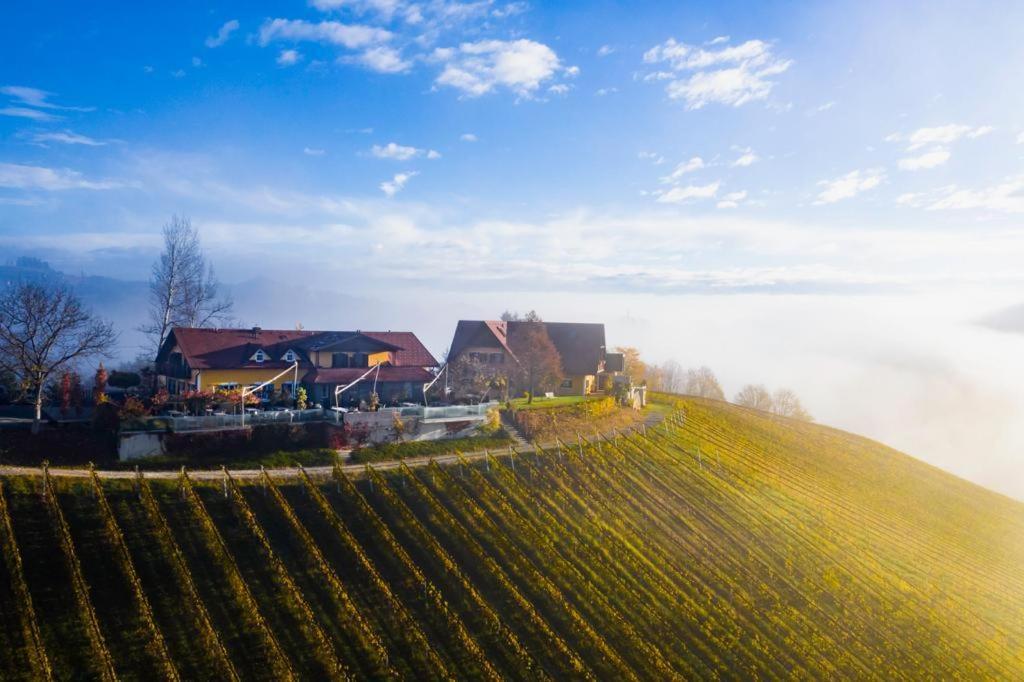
x=672 y=377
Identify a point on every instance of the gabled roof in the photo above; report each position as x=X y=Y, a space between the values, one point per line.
x=581 y=344
x=484 y=333
x=233 y=348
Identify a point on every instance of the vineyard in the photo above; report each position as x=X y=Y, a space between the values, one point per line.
x=720 y=543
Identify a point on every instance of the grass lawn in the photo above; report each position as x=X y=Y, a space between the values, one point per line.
x=541 y=402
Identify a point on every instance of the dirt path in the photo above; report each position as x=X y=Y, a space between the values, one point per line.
x=652 y=419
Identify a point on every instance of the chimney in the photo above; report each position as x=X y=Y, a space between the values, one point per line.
x=255 y=332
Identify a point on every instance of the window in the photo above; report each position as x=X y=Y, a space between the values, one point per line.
x=228 y=386
x=361 y=360
x=497 y=358
x=289 y=356
x=339 y=360
x=286 y=387
x=567 y=383
x=260 y=356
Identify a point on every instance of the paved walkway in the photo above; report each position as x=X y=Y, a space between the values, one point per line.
x=652 y=419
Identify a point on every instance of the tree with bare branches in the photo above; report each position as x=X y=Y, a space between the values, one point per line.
x=785 y=403
x=44 y=330
x=183 y=290
x=755 y=396
x=703 y=383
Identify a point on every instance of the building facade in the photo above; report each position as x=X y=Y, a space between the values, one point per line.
x=225 y=359
x=580 y=345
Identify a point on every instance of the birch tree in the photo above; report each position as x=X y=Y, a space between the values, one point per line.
x=183 y=289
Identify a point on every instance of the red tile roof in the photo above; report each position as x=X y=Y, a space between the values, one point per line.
x=233 y=348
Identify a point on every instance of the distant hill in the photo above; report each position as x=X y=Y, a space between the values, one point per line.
x=724 y=543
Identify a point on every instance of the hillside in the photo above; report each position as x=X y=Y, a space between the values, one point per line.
x=722 y=543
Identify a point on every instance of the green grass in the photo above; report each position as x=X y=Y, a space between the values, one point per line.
x=727 y=544
x=540 y=402
x=428 y=448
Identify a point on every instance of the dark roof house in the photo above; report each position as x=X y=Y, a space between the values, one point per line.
x=581 y=345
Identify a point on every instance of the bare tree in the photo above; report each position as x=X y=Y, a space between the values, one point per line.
x=672 y=376
x=755 y=396
x=785 y=403
x=183 y=290
x=703 y=383
x=44 y=330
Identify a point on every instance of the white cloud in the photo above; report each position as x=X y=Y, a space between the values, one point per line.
x=223 y=33
x=50 y=179
x=930 y=159
x=601 y=92
x=397 y=183
x=178 y=73
x=197 y=62
x=1006 y=197
x=731 y=75
x=25 y=112
x=732 y=199
x=694 y=164
x=34 y=97
x=352 y=36
x=945 y=134
x=825 y=107
x=386 y=8
x=748 y=158
x=1020 y=137
x=67 y=137
x=849 y=185
x=484 y=66
x=397 y=152
x=468 y=137
x=719 y=40
x=559 y=89
x=383 y=59
x=313 y=151
x=288 y=57
x=510 y=10
x=654 y=157
x=605 y=50
x=681 y=195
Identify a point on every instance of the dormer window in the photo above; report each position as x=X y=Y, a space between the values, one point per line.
x=289 y=356
x=260 y=356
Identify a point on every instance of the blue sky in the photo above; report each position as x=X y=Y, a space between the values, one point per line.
x=843 y=171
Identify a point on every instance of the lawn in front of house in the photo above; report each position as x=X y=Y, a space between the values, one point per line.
x=540 y=402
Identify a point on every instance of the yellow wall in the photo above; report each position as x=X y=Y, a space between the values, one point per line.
x=582 y=384
x=209 y=378
x=324 y=359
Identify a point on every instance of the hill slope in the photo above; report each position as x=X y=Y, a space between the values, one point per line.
x=722 y=543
